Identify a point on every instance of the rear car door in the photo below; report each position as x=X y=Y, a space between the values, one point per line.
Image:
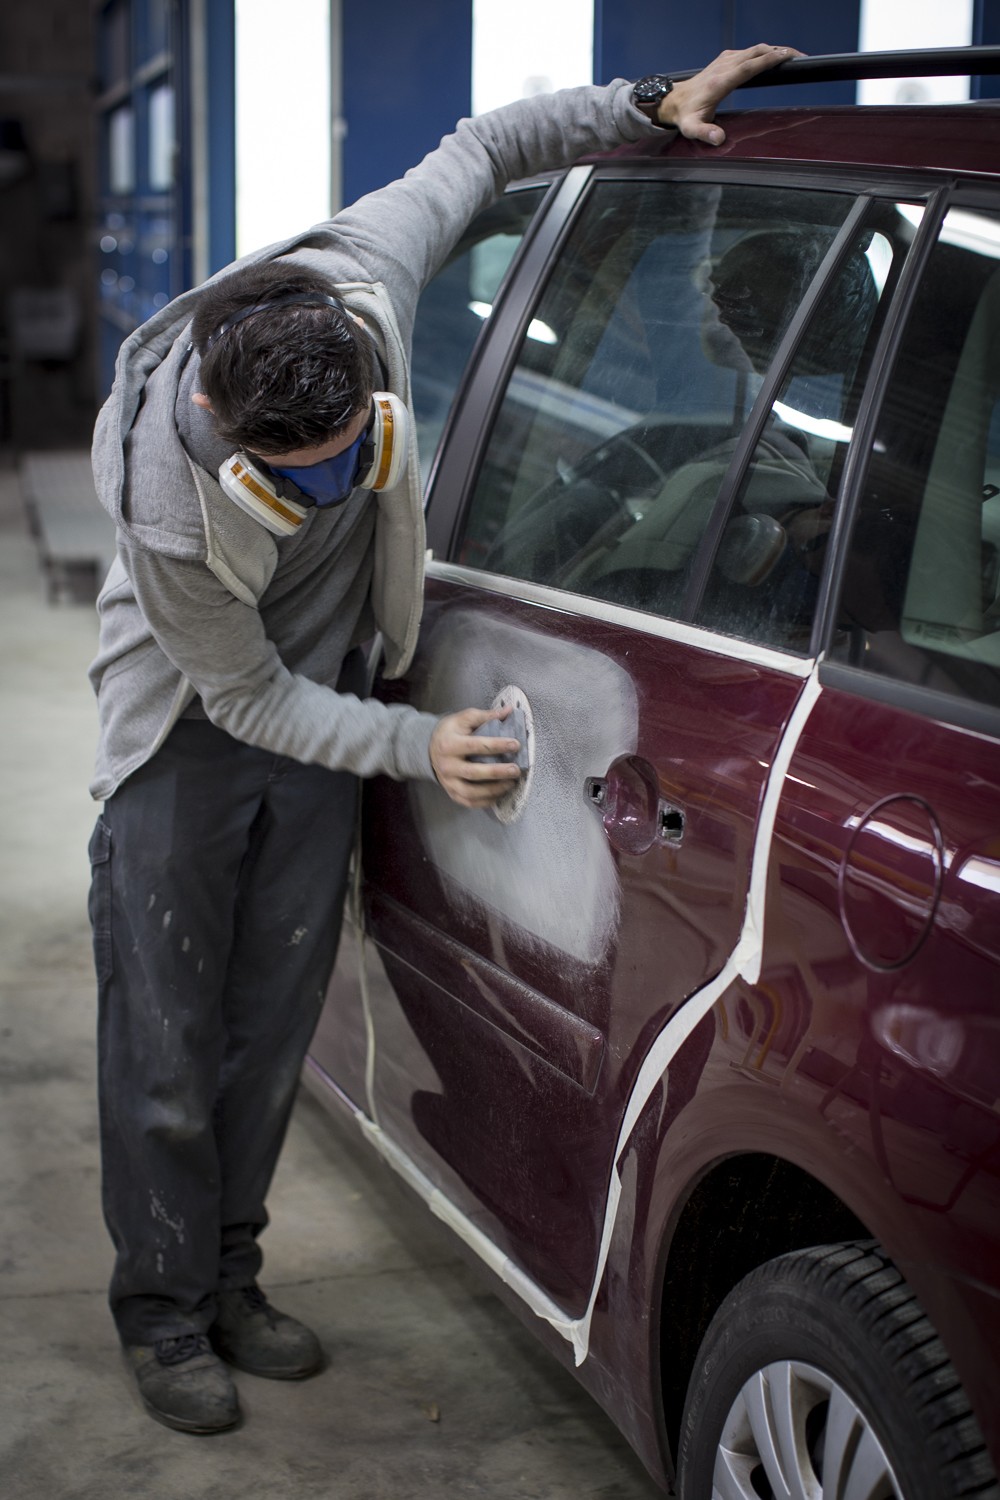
x=628 y=513
x=888 y=834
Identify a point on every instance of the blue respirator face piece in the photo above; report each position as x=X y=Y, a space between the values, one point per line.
x=334 y=480
x=375 y=461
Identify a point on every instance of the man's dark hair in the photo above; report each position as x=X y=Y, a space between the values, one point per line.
x=285 y=378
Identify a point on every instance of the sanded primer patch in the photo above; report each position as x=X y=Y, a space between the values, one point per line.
x=552 y=873
x=744 y=962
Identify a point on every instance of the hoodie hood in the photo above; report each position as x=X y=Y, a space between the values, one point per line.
x=166 y=502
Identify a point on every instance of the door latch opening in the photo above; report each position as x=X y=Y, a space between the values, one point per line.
x=596 y=790
x=670 y=823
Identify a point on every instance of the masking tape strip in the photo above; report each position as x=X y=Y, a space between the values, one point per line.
x=366 y=1007
x=442 y=1207
x=744 y=961
x=371 y=672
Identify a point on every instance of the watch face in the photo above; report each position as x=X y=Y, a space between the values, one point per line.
x=649 y=91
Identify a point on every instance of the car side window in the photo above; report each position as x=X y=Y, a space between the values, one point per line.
x=920 y=600
x=455 y=304
x=764 y=580
x=634 y=381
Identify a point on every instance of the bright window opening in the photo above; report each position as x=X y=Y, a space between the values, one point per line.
x=887 y=26
x=521 y=48
x=282 y=119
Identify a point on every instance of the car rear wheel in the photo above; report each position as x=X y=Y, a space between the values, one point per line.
x=820 y=1376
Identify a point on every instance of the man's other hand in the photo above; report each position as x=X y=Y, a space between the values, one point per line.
x=467 y=782
x=690 y=106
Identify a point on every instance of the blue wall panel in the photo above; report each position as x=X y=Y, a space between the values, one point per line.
x=648 y=36
x=407 y=77
x=811 y=28
x=645 y=37
x=220 y=43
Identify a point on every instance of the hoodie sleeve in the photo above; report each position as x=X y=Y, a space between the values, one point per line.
x=219 y=645
x=412 y=223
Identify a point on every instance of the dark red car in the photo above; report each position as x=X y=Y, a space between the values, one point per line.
x=696 y=1045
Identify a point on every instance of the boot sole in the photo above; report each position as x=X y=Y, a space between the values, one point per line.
x=180 y=1424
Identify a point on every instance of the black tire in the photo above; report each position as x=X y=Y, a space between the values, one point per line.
x=832 y=1329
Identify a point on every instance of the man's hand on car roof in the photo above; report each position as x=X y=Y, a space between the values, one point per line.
x=690 y=106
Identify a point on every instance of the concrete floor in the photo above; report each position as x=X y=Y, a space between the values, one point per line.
x=433 y=1387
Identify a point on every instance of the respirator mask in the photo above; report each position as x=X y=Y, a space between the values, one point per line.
x=281 y=497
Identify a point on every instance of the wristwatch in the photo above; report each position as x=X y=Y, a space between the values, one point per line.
x=649 y=93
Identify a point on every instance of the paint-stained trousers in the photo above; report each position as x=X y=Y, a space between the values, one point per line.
x=218 y=875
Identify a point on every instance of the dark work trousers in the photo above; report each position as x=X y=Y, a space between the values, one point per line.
x=218 y=876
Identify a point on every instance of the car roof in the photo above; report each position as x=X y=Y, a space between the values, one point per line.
x=963 y=138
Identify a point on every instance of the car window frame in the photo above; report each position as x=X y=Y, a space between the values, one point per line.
x=912 y=697
x=549 y=183
x=447 y=492
x=456 y=471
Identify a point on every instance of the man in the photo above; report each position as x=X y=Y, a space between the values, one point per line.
x=230 y=731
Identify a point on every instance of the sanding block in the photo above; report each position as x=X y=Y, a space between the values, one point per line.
x=514 y=727
x=518 y=725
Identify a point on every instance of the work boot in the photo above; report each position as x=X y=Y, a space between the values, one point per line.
x=254 y=1336
x=183 y=1385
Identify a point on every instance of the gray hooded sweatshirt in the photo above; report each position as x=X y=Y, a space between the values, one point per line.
x=205 y=610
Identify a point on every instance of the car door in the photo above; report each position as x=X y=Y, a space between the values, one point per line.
x=885 y=908
x=890 y=825
x=628 y=505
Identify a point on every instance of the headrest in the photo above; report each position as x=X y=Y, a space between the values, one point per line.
x=756 y=285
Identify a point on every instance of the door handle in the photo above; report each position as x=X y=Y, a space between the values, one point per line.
x=634 y=815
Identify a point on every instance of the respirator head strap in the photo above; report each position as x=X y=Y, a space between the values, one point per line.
x=293 y=299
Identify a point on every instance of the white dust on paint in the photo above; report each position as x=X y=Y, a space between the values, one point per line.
x=551 y=873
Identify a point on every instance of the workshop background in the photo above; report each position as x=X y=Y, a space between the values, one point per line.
x=143 y=144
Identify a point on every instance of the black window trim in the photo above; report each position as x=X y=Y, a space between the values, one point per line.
x=927 y=703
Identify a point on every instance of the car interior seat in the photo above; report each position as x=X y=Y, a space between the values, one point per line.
x=943 y=607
